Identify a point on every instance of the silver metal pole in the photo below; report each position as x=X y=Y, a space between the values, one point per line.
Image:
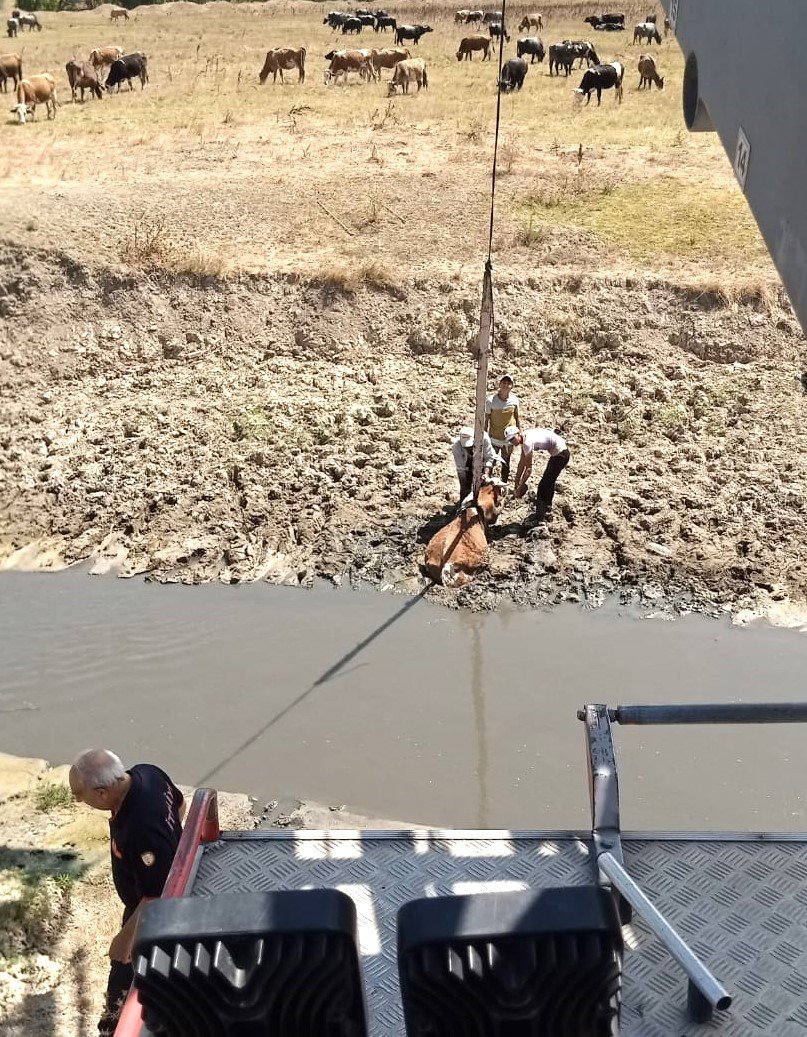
x=714 y=992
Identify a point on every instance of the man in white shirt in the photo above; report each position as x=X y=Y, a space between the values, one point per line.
x=462 y=447
x=530 y=440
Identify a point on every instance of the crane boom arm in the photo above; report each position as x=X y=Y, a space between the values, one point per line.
x=746 y=78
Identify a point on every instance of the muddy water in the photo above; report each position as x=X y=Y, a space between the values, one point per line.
x=395 y=707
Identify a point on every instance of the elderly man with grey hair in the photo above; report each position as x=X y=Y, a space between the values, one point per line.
x=146 y=811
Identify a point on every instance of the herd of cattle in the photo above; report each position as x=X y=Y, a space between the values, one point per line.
x=104 y=69
x=108 y=67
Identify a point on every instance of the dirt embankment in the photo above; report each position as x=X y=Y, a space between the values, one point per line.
x=269 y=428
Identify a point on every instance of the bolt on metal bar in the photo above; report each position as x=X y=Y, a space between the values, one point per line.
x=713 y=991
x=715 y=713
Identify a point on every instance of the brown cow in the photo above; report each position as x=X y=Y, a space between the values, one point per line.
x=31 y=92
x=648 y=73
x=10 y=68
x=283 y=58
x=344 y=61
x=531 y=21
x=102 y=56
x=118 y=12
x=469 y=44
x=82 y=76
x=387 y=58
x=460 y=549
x=406 y=72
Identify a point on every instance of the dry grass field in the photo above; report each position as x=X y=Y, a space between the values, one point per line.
x=208 y=171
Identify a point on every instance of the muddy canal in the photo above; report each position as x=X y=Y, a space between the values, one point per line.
x=395 y=707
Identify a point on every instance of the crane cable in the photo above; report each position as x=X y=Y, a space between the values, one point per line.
x=486 y=312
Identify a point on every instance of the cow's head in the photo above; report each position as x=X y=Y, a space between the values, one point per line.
x=21 y=110
x=489 y=500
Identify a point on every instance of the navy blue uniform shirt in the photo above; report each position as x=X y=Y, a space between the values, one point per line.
x=144 y=835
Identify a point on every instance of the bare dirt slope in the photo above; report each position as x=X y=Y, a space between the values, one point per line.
x=235 y=319
x=265 y=427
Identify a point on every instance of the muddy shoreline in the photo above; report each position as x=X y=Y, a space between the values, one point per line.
x=270 y=428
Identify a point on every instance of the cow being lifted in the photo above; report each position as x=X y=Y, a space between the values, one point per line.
x=599 y=78
x=460 y=549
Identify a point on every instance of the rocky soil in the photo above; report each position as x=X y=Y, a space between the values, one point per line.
x=275 y=428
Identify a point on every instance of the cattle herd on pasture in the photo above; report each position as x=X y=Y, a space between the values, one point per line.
x=107 y=68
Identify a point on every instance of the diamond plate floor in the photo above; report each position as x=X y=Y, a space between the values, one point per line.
x=742 y=906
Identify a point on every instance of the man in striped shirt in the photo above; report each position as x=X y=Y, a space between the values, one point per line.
x=530 y=440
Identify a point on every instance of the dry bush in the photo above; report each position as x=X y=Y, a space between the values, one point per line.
x=349 y=278
x=154 y=245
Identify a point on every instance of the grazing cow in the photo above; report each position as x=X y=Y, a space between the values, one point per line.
x=531 y=21
x=10 y=68
x=367 y=20
x=12 y=27
x=599 y=78
x=460 y=549
x=586 y=51
x=563 y=56
x=344 y=61
x=384 y=22
x=513 y=73
x=31 y=92
x=411 y=32
x=408 y=71
x=498 y=31
x=531 y=45
x=336 y=19
x=118 y=12
x=102 y=56
x=387 y=58
x=351 y=24
x=648 y=74
x=280 y=59
x=461 y=17
x=469 y=44
x=29 y=20
x=127 y=68
x=474 y=17
x=646 y=31
x=83 y=76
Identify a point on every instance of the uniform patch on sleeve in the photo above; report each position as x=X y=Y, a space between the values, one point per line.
x=148 y=858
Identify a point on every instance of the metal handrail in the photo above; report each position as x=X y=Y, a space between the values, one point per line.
x=713 y=713
x=709 y=987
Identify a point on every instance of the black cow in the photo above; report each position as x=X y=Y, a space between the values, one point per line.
x=606 y=23
x=351 y=24
x=530 y=45
x=127 y=68
x=497 y=30
x=513 y=72
x=562 y=56
x=335 y=19
x=411 y=32
x=384 y=22
x=367 y=19
x=651 y=18
x=602 y=77
x=491 y=16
